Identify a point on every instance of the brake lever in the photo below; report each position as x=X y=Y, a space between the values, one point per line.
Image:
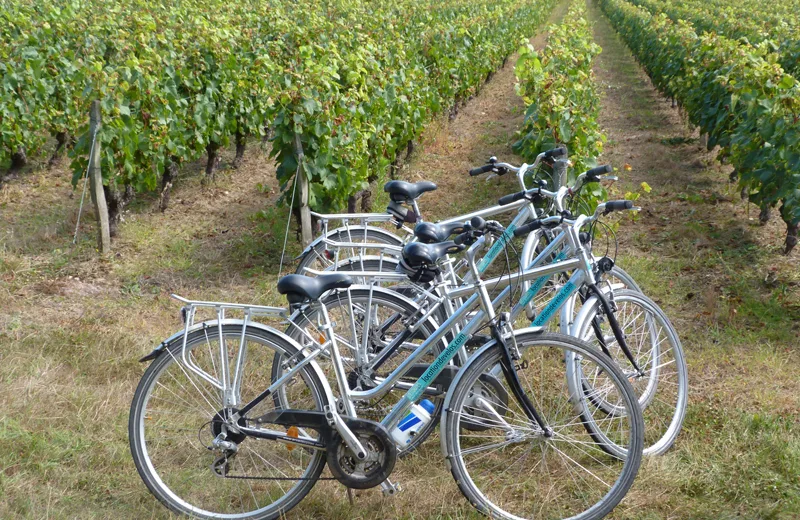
x=612 y=178
x=491 y=176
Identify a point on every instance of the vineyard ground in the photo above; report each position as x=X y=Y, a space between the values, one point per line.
x=72 y=327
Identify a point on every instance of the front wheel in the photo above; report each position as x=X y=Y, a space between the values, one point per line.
x=513 y=468
x=662 y=386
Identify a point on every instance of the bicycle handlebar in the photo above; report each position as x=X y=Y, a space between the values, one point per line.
x=618 y=205
x=555 y=152
x=594 y=172
x=505 y=167
x=602 y=209
x=481 y=169
x=533 y=225
x=513 y=197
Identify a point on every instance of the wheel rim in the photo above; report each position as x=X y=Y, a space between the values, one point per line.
x=662 y=391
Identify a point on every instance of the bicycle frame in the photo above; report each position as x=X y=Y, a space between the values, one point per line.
x=365 y=218
x=474 y=292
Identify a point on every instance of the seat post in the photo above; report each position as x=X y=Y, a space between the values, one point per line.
x=416 y=210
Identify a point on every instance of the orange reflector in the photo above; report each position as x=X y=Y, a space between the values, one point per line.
x=292 y=432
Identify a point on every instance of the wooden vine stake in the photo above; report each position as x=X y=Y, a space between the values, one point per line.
x=305 y=211
x=560 y=172
x=96 y=182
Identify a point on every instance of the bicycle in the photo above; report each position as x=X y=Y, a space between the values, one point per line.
x=333 y=247
x=227 y=416
x=650 y=366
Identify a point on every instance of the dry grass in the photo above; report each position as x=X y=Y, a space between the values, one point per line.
x=72 y=326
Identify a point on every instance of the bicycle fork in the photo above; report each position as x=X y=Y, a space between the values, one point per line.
x=507 y=361
x=619 y=335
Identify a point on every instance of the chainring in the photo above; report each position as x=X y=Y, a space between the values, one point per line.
x=375 y=468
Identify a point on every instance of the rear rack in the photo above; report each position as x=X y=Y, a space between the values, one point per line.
x=228 y=390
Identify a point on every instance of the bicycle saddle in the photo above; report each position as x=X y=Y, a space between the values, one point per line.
x=417 y=254
x=299 y=288
x=401 y=191
x=430 y=233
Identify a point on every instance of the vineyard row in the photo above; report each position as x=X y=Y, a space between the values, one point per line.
x=357 y=80
x=734 y=92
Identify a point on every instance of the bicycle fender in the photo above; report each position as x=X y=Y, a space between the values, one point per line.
x=372 y=229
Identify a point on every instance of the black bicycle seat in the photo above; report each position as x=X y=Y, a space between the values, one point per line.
x=417 y=254
x=430 y=233
x=299 y=288
x=401 y=191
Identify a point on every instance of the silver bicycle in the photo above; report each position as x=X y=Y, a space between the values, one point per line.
x=214 y=434
x=622 y=323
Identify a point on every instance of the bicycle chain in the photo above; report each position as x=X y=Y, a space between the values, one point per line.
x=290 y=479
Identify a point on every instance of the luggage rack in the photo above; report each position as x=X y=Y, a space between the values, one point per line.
x=362 y=218
x=229 y=388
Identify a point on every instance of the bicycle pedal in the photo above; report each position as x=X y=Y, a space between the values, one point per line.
x=388 y=489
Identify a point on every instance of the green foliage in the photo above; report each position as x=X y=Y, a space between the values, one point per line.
x=747 y=19
x=736 y=93
x=563 y=101
x=356 y=79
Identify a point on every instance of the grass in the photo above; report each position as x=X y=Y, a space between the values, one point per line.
x=72 y=326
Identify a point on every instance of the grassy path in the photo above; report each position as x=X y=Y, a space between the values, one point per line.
x=732 y=297
x=486 y=126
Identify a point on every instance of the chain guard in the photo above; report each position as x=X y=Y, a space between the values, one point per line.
x=367 y=473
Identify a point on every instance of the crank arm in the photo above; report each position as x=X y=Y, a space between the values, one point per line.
x=347 y=435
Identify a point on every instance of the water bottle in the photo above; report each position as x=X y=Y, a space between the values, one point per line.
x=419 y=416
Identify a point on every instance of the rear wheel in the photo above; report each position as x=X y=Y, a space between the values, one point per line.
x=176 y=415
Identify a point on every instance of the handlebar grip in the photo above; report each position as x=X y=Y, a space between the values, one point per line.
x=555 y=152
x=594 y=172
x=513 y=197
x=481 y=169
x=477 y=223
x=527 y=228
x=618 y=205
